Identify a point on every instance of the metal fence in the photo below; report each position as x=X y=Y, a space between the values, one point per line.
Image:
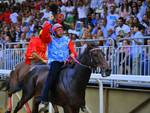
x=1 y=55
x=133 y=60
x=11 y=54
x=128 y=60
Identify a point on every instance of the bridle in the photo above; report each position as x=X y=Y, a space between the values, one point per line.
x=90 y=59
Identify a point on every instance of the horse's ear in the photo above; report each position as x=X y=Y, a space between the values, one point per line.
x=90 y=45
x=83 y=48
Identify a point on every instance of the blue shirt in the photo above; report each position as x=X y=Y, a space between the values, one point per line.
x=58 y=49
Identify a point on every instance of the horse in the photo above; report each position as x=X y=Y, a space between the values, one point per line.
x=12 y=84
x=69 y=91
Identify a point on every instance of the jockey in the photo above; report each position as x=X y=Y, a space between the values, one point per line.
x=36 y=50
x=59 y=50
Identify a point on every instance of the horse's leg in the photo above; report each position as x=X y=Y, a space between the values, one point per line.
x=11 y=91
x=71 y=109
x=55 y=108
x=9 y=104
x=25 y=98
x=13 y=87
x=35 y=105
x=67 y=109
x=27 y=94
x=75 y=109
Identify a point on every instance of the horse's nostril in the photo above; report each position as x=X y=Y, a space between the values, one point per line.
x=108 y=70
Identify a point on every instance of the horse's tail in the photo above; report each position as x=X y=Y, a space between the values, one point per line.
x=4 y=86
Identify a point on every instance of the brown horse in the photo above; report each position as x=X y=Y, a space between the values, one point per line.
x=69 y=92
x=13 y=83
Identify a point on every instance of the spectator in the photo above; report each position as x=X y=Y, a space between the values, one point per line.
x=23 y=37
x=86 y=34
x=46 y=12
x=125 y=10
x=136 y=21
x=14 y=16
x=138 y=35
x=137 y=38
x=125 y=59
x=122 y=27
x=104 y=27
x=82 y=11
x=100 y=36
x=93 y=20
x=135 y=11
x=146 y=23
x=142 y=8
x=1 y=17
x=111 y=34
x=59 y=17
x=146 y=59
x=95 y=30
x=70 y=10
x=112 y=17
x=129 y=21
x=6 y=16
x=96 y=4
x=17 y=34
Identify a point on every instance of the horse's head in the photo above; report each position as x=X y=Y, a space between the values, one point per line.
x=96 y=58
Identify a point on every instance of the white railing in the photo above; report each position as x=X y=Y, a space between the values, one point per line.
x=134 y=79
x=122 y=59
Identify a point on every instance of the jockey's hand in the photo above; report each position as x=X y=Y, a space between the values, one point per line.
x=65 y=62
x=44 y=61
x=31 y=57
x=72 y=55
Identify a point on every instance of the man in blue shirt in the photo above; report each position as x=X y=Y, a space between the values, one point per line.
x=59 y=49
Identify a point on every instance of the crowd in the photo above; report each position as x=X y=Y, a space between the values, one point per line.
x=81 y=19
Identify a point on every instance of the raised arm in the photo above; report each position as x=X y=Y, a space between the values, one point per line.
x=45 y=33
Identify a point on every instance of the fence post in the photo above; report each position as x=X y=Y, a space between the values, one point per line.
x=101 y=101
x=50 y=108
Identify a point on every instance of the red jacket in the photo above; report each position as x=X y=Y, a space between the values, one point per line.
x=35 y=45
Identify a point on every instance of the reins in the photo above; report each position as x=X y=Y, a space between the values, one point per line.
x=81 y=63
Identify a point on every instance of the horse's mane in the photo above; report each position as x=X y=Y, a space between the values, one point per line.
x=85 y=48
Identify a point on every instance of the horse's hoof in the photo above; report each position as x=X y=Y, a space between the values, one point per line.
x=8 y=112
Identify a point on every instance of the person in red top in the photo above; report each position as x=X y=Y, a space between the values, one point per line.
x=6 y=16
x=36 y=50
x=35 y=54
x=1 y=16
